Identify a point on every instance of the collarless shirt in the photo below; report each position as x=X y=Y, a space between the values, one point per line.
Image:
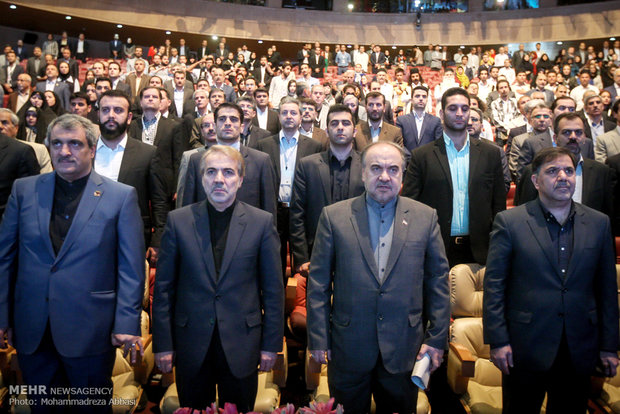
x=107 y=160
x=219 y=223
x=67 y=196
x=459 y=172
x=339 y=176
x=381 y=228
x=288 y=156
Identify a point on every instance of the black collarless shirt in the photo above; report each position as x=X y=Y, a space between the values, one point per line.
x=67 y=196
x=339 y=172
x=219 y=222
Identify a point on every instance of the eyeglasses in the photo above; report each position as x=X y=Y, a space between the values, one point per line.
x=542 y=116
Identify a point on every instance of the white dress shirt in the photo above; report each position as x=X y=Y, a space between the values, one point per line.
x=107 y=160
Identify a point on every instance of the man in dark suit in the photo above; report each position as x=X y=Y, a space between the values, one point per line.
x=61 y=89
x=266 y=118
x=550 y=295
x=58 y=226
x=317 y=63
x=179 y=92
x=323 y=179
x=35 y=66
x=309 y=121
x=285 y=150
x=218 y=82
x=375 y=129
x=20 y=51
x=259 y=187
x=251 y=134
x=262 y=73
x=377 y=59
x=462 y=178
x=430 y=128
x=114 y=73
x=10 y=72
x=369 y=253
x=595 y=123
x=231 y=302
x=116 y=47
x=153 y=129
x=613 y=89
x=595 y=181
x=17 y=160
x=132 y=162
x=81 y=48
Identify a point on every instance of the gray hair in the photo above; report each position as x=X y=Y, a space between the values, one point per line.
x=533 y=104
x=73 y=122
x=290 y=100
x=198 y=92
x=14 y=118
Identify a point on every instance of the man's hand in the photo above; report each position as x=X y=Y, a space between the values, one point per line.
x=163 y=361
x=8 y=332
x=435 y=354
x=130 y=343
x=502 y=358
x=267 y=360
x=609 y=362
x=152 y=254
x=304 y=269
x=322 y=356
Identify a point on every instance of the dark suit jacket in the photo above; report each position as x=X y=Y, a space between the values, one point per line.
x=514 y=132
x=428 y=180
x=139 y=169
x=30 y=68
x=388 y=133
x=256 y=74
x=188 y=93
x=16 y=72
x=312 y=190
x=61 y=89
x=245 y=300
x=599 y=182
x=349 y=307
x=612 y=91
x=258 y=188
x=607 y=126
x=614 y=163
x=103 y=246
x=317 y=68
x=374 y=60
x=412 y=138
x=256 y=134
x=169 y=151
x=123 y=87
x=273 y=121
x=529 y=303
x=131 y=81
x=116 y=46
x=17 y=160
x=271 y=146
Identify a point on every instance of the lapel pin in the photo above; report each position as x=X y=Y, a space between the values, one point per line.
x=97 y=193
x=405 y=222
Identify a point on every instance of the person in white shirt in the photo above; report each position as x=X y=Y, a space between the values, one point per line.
x=447 y=82
x=501 y=57
x=362 y=58
x=584 y=85
x=386 y=87
x=278 y=88
x=508 y=71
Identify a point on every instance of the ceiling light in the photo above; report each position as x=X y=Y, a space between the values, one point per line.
x=350 y=6
x=260 y=42
x=120 y=26
x=168 y=32
x=12 y=6
x=68 y=17
x=214 y=37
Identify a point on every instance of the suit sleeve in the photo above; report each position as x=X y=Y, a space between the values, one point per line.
x=413 y=181
x=499 y=187
x=130 y=257
x=320 y=286
x=523 y=158
x=297 y=218
x=28 y=164
x=268 y=189
x=9 y=241
x=272 y=289
x=189 y=194
x=607 y=293
x=600 y=150
x=495 y=281
x=181 y=180
x=164 y=291
x=159 y=199
x=436 y=289
x=438 y=130
x=513 y=156
x=608 y=192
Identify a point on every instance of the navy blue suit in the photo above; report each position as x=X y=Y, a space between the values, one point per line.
x=412 y=138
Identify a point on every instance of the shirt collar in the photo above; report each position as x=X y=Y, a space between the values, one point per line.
x=302 y=131
x=295 y=137
x=550 y=217
x=419 y=118
x=152 y=121
x=121 y=145
x=236 y=145
x=449 y=143
x=378 y=207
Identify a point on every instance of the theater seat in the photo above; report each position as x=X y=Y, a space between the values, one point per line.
x=267 y=397
x=316 y=382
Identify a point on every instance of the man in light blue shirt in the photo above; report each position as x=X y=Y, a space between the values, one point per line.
x=343 y=61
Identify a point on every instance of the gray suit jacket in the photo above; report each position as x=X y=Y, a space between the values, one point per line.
x=61 y=89
x=607 y=145
x=388 y=133
x=529 y=302
x=360 y=318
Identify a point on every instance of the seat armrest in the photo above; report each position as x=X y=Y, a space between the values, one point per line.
x=461 y=367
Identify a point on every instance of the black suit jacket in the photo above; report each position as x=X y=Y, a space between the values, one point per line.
x=614 y=163
x=169 y=151
x=17 y=160
x=312 y=190
x=428 y=180
x=139 y=169
x=412 y=138
x=273 y=122
x=258 y=188
x=607 y=125
x=599 y=182
x=271 y=146
x=531 y=305
x=514 y=132
x=16 y=72
x=30 y=68
x=317 y=67
x=256 y=134
x=61 y=89
x=256 y=74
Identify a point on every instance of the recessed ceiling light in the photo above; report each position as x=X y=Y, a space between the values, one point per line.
x=68 y=17
x=260 y=42
x=168 y=32
x=214 y=37
x=120 y=26
x=350 y=6
x=612 y=38
x=558 y=43
x=462 y=47
x=12 y=6
x=394 y=47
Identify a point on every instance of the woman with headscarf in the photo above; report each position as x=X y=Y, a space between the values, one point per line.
x=461 y=77
x=54 y=103
x=33 y=127
x=38 y=100
x=544 y=64
x=65 y=76
x=129 y=49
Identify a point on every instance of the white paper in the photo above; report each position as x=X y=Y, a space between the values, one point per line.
x=422 y=372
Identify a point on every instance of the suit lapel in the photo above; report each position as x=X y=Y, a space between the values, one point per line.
x=420 y=133
x=93 y=192
x=275 y=155
x=399 y=235
x=202 y=232
x=325 y=177
x=580 y=234
x=440 y=153
x=474 y=157
x=587 y=181
x=359 y=220
x=45 y=200
x=235 y=231
x=128 y=155
x=538 y=226
x=355 y=175
x=4 y=142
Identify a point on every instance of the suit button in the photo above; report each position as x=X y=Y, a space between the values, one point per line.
x=381 y=293
x=561 y=315
x=217 y=297
x=211 y=321
x=54 y=268
x=564 y=290
x=47 y=299
x=380 y=317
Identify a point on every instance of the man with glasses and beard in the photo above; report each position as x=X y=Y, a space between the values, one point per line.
x=131 y=162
